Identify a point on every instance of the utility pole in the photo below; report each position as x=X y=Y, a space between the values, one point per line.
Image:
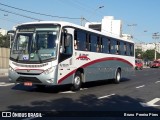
x=82 y=21
x=94 y=12
x=132 y=25
x=156 y=37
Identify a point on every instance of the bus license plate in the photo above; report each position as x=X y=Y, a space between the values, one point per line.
x=27 y=83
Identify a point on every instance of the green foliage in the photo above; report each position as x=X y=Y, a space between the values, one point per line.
x=139 y=53
x=4 y=41
x=147 y=55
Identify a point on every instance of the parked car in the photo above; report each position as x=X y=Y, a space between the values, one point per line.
x=138 y=64
x=155 y=64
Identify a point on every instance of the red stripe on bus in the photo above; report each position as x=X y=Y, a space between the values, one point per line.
x=93 y=62
x=66 y=76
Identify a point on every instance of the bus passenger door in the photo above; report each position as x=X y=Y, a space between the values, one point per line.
x=65 y=58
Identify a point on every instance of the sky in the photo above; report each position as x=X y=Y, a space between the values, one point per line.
x=143 y=14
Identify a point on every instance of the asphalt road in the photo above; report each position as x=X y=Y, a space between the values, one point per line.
x=137 y=95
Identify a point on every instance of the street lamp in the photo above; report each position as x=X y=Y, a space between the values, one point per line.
x=83 y=19
x=156 y=37
x=100 y=7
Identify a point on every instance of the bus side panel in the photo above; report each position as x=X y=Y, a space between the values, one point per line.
x=106 y=70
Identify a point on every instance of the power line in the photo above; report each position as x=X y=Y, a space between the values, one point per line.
x=36 y=12
x=19 y=14
x=10 y=20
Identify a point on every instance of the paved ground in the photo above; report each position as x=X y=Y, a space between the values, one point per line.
x=139 y=93
x=3 y=72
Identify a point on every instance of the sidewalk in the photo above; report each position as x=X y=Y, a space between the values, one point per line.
x=3 y=72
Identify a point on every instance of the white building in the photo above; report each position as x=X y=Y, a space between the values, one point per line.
x=147 y=46
x=108 y=25
x=3 y=32
x=127 y=36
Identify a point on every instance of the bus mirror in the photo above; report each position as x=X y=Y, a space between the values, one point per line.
x=61 y=49
x=11 y=32
x=68 y=40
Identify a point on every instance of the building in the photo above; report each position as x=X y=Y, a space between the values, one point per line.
x=3 y=32
x=108 y=25
x=147 y=46
x=127 y=36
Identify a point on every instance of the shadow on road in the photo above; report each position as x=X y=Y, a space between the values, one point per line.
x=87 y=106
x=63 y=88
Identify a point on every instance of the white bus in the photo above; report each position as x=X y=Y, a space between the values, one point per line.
x=56 y=53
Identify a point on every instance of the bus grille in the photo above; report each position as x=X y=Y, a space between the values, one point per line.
x=30 y=65
x=29 y=79
x=29 y=73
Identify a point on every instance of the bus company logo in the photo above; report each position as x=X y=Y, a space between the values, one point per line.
x=83 y=57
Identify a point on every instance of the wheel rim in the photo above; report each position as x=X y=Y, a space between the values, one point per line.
x=77 y=80
x=118 y=76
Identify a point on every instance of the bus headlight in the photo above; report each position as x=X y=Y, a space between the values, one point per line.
x=49 y=70
x=11 y=69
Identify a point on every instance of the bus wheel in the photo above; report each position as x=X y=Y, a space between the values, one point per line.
x=118 y=76
x=76 y=85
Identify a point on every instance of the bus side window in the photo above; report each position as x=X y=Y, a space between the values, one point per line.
x=118 y=48
x=104 y=45
x=125 y=49
x=75 y=40
x=80 y=40
x=109 y=46
x=122 y=48
x=128 y=49
x=99 y=44
x=132 y=49
x=93 y=43
x=88 y=43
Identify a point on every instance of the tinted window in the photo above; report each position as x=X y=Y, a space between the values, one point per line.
x=105 y=45
x=80 y=40
x=93 y=43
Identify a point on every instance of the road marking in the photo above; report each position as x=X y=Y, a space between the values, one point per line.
x=107 y=96
x=157 y=82
x=140 y=86
x=6 y=84
x=83 y=88
x=68 y=92
x=151 y=103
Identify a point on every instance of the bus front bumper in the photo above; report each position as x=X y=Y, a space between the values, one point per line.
x=42 y=79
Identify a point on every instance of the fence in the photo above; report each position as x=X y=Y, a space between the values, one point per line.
x=4 y=58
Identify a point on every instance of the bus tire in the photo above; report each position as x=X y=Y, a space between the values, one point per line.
x=118 y=76
x=77 y=82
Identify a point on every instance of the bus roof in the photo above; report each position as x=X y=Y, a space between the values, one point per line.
x=63 y=23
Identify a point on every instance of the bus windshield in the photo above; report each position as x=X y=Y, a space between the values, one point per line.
x=35 y=43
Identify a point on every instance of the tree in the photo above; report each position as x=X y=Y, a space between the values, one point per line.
x=4 y=41
x=149 y=55
x=139 y=53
